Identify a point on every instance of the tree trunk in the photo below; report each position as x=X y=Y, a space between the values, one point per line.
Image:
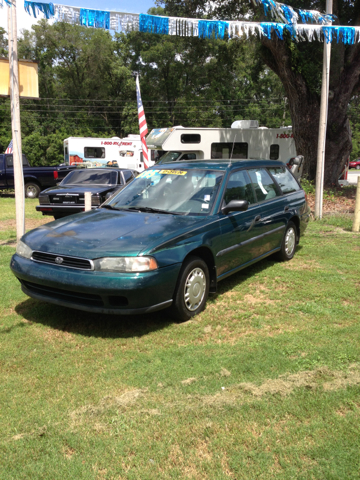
x=304 y=105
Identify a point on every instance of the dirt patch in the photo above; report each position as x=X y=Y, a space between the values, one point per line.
x=127 y=399
x=189 y=381
x=297 y=263
x=285 y=384
x=337 y=201
x=321 y=378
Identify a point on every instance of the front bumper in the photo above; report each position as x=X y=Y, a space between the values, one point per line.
x=61 y=209
x=99 y=292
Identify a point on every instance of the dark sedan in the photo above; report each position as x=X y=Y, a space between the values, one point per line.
x=68 y=197
x=167 y=239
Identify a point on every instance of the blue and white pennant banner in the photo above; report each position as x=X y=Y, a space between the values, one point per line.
x=189 y=27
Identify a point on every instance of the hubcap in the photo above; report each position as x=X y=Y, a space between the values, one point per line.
x=31 y=191
x=290 y=241
x=194 y=290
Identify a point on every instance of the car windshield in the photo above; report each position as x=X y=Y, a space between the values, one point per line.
x=89 y=176
x=169 y=157
x=186 y=192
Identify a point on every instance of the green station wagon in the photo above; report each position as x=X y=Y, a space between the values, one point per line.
x=167 y=239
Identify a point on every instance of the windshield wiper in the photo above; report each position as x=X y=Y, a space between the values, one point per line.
x=110 y=207
x=152 y=210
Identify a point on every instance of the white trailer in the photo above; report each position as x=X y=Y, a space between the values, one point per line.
x=243 y=140
x=130 y=150
x=104 y=152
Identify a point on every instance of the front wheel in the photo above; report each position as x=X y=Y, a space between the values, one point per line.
x=288 y=245
x=32 y=190
x=192 y=289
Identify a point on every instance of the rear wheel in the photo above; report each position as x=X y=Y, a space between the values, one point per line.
x=288 y=245
x=192 y=289
x=357 y=167
x=32 y=190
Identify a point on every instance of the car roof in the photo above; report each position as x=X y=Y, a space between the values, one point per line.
x=102 y=169
x=220 y=164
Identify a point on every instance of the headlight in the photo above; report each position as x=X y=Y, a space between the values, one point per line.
x=125 y=264
x=23 y=250
x=95 y=200
x=44 y=199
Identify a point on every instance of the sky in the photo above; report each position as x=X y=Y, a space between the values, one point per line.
x=25 y=21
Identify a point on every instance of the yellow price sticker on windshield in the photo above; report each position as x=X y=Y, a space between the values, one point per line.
x=173 y=172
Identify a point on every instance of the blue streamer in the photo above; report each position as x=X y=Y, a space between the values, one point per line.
x=95 y=18
x=278 y=28
x=208 y=28
x=289 y=13
x=346 y=34
x=153 y=24
x=35 y=7
x=8 y=3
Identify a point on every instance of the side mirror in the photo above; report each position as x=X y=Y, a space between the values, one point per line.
x=298 y=160
x=235 y=206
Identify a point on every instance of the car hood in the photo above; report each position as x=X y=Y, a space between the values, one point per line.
x=71 y=189
x=104 y=232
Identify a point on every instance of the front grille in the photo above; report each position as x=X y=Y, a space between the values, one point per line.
x=67 y=295
x=75 y=199
x=63 y=260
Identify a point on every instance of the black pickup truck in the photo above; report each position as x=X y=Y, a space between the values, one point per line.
x=35 y=178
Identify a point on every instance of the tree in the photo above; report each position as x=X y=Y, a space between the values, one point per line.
x=298 y=66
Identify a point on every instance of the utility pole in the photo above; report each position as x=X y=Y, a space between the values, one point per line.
x=15 y=122
x=320 y=168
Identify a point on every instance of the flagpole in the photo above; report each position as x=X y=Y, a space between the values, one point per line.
x=15 y=123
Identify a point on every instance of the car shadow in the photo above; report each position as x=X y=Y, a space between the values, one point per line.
x=120 y=326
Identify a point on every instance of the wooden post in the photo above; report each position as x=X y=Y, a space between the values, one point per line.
x=356 y=224
x=87 y=199
x=15 y=122
x=320 y=168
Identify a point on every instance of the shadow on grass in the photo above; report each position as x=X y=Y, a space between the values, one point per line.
x=120 y=326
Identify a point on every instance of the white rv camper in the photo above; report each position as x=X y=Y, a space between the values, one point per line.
x=243 y=140
x=104 y=152
x=130 y=150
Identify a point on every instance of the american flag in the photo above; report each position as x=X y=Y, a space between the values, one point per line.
x=142 y=124
x=9 y=148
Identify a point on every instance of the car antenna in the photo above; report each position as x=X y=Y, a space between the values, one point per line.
x=232 y=150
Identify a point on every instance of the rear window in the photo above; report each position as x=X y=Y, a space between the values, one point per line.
x=284 y=178
x=229 y=150
x=89 y=176
x=10 y=161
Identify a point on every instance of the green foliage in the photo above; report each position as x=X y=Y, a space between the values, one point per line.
x=263 y=384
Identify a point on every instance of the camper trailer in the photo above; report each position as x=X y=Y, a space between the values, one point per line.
x=245 y=139
x=130 y=150
x=104 y=152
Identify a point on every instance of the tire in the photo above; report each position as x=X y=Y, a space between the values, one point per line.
x=288 y=245
x=357 y=167
x=32 y=190
x=192 y=289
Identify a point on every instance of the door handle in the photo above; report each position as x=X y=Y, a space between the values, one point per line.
x=286 y=209
x=257 y=218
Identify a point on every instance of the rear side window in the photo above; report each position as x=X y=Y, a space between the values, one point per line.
x=94 y=152
x=263 y=184
x=229 y=150
x=286 y=181
x=128 y=175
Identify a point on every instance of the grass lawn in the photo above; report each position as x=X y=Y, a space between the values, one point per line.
x=265 y=383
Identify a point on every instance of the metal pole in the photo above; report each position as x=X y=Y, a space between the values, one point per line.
x=320 y=168
x=15 y=123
